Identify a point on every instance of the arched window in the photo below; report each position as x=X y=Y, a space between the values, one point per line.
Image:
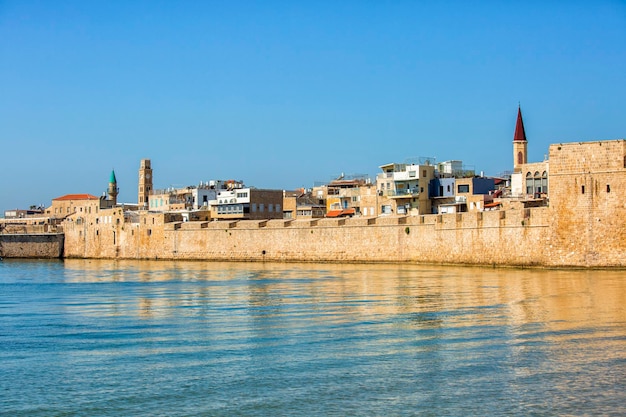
x=544 y=182
x=537 y=183
x=520 y=158
x=529 y=183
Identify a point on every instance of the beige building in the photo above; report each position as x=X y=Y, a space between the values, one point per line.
x=73 y=203
x=348 y=197
x=301 y=204
x=403 y=189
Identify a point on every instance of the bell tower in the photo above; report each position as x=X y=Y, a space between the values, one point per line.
x=145 y=183
x=520 y=144
x=113 y=190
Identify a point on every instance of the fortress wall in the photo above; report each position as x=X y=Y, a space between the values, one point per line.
x=581 y=228
x=496 y=237
x=44 y=245
x=587 y=189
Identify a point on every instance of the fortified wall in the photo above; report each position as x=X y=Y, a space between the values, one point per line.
x=583 y=226
x=498 y=238
x=31 y=245
x=588 y=202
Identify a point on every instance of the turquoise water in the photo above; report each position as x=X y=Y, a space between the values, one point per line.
x=117 y=338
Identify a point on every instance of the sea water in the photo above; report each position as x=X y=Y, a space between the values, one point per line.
x=139 y=338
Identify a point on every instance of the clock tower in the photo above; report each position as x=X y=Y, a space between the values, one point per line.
x=145 y=183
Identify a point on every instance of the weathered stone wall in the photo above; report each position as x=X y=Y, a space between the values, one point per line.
x=588 y=197
x=498 y=237
x=44 y=245
x=580 y=229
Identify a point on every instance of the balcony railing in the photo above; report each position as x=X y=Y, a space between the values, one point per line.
x=412 y=192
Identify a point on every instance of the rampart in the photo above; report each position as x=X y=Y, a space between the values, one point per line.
x=511 y=237
x=31 y=245
x=583 y=226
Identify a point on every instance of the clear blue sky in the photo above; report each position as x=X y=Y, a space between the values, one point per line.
x=286 y=94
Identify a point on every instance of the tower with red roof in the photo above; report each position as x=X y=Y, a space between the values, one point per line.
x=520 y=144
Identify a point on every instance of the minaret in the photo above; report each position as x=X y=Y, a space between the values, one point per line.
x=145 y=183
x=113 y=190
x=520 y=144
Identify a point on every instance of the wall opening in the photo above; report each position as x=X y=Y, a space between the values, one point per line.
x=583 y=189
x=608 y=188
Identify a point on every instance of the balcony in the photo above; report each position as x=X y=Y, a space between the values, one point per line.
x=409 y=193
x=398 y=175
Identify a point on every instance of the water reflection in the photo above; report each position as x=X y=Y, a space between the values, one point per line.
x=459 y=296
x=257 y=339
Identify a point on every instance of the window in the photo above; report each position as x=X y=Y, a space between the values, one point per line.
x=520 y=158
x=277 y=208
x=261 y=207
x=608 y=188
x=583 y=189
x=463 y=188
x=270 y=208
x=254 y=207
x=529 y=183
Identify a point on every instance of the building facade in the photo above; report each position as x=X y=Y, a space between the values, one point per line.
x=403 y=189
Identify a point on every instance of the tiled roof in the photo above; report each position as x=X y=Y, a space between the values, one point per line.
x=340 y=213
x=68 y=197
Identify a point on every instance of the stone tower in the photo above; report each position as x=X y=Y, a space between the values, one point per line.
x=113 y=190
x=520 y=144
x=145 y=183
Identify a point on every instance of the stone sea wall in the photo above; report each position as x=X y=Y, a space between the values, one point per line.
x=514 y=237
x=584 y=226
x=31 y=245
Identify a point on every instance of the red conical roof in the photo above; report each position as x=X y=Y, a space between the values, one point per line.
x=520 y=134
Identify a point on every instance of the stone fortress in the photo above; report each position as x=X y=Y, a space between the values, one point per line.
x=566 y=211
